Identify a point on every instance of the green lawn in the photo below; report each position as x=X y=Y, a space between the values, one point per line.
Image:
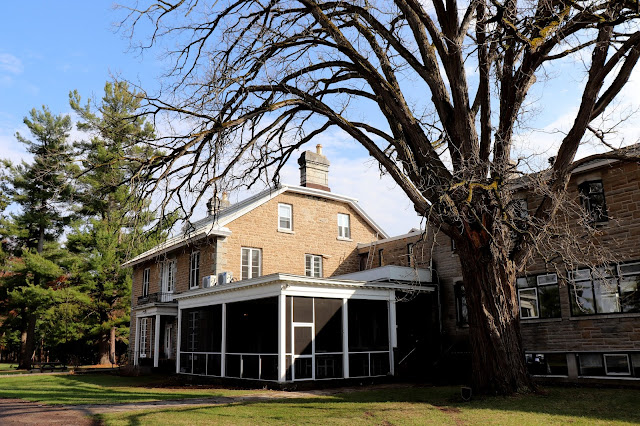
x=410 y=405
x=100 y=389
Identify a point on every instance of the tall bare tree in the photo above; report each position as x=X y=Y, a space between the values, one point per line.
x=252 y=81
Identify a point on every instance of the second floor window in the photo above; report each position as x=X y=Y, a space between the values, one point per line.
x=194 y=270
x=145 y=281
x=344 y=226
x=380 y=257
x=251 y=266
x=539 y=296
x=313 y=265
x=602 y=291
x=592 y=196
x=285 y=217
x=168 y=277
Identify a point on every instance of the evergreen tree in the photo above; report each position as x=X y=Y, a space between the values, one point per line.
x=115 y=218
x=42 y=191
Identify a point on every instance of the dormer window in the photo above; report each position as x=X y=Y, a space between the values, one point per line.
x=592 y=195
x=285 y=217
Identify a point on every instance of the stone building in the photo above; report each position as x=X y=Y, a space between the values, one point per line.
x=299 y=283
x=578 y=324
x=270 y=289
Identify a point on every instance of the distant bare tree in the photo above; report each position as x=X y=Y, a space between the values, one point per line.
x=253 y=81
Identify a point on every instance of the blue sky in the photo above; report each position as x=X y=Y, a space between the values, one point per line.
x=50 y=48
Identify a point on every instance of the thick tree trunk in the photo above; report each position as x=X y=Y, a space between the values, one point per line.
x=104 y=348
x=494 y=325
x=27 y=342
x=112 y=345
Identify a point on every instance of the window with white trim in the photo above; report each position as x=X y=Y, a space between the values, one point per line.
x=344 y=226
x=313 y=265
x=168 y=277
x=285 y=217
x=251 y=264
x=539 y=296
x=145 y=281
x=609 y=364
x=605 y=290
x=143 y=337
x=194 y=270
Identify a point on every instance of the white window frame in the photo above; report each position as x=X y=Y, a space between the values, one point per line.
x=194 y=273
x=535 y=289
x=250 y=260
x=288 y=207
x=143 y=338
x=146 y=275
x=313 y=258
x=168 y=279
x=344 y=232
x=606 y=369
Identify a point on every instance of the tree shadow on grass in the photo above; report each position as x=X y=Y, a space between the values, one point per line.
x=410 y=405
x=96 y=389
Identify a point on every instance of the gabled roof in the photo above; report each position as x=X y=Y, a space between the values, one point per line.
x=215 y=225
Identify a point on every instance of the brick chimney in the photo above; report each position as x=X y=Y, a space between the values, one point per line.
x=215 y=205
x=314 y=169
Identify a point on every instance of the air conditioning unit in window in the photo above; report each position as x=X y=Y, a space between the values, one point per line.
x=209 y=281
x=224 y=277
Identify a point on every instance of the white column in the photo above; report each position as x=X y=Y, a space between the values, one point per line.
x=156 y=342
x=179 y=340
x=393 y=332
x=345 y=339
x=136 y=344
x=282 y=338
x=223 y=348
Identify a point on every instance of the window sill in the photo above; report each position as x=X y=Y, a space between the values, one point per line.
x=194 y=288
x=286 y=231
x=344 y=239
x=538 y=320
x=605 y=316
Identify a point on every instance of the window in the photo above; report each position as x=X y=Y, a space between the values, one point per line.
x=539 y=296
x=285 y=217
x=313 y=265
x=603 y=291
x=168 y=277
x=251 y=263
x=143 y=337
x=145 y=281
x=410 y=254
x=194 y=270
x=462 y=313
x=609 y=364
x=592 y=196
x=380 y=257
x=554 y=364
x=344 y=226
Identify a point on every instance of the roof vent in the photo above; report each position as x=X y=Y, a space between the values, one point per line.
x=314 y=169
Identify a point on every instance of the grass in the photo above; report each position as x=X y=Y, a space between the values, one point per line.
x=100 y=389
x=411 y=405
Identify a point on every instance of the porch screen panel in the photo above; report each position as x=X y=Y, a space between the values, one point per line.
x=252 y=326
x=201 y=329
x=368 y=325
x=328 y=324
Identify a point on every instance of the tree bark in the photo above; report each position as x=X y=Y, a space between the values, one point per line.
x=27 y=342
x=112 y=345
x=104 y=348
x=498 y=365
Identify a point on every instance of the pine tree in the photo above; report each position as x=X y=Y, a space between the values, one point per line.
x=114 y=218
x=42 y=192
